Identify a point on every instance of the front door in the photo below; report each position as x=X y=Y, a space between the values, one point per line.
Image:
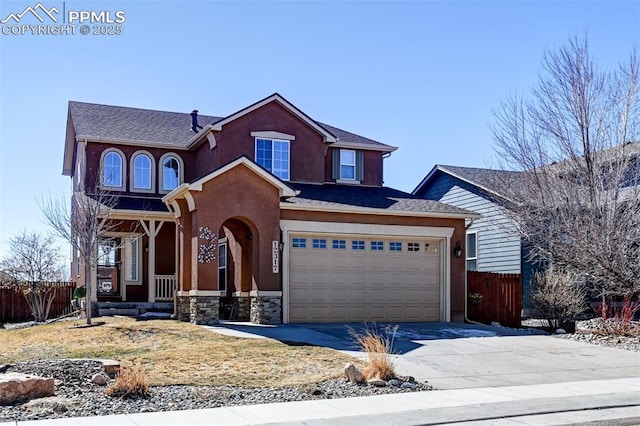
x=108 y=267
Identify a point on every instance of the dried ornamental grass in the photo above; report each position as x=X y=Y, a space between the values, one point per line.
x=378 y=348
x=131 y=382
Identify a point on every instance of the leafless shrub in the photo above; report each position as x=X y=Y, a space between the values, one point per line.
x=618 y=320
x=574 y=140
x=378 y=347
x=34 y=268
x=558 y=298
x=131 y=382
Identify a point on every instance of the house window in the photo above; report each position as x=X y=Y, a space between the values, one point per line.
x=339 y=244
x=377 y=245
x=395 y=246
x=171 y=173
x=222 y=266
x=319 y=243
x=357 y=245
x=347 y=164
x=142 y=172
x=472 y=251
x=131 y=263
x=112 y=169
x=413 y=246
x=299 y=242
x=273 y=155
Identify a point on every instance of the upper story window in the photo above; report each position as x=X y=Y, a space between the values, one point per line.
x=113 y=169
x=143 y=171
x=273 y=155
x=171 y=172
x=347 y=166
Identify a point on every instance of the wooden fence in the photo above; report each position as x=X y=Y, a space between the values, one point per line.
x=14 y=308
x=501 y=298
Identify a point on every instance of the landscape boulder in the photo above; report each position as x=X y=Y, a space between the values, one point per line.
x=353 y=374
x=377 y=382
x=18 y=386
x=99 y=379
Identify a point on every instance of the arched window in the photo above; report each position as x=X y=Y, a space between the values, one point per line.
x=112 y=169
x=171 y=172
x=143 y=167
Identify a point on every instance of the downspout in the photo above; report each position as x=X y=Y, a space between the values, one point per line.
x=466 y=289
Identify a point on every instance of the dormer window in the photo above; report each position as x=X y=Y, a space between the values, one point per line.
x=348 y=166
x=143 y=167
x=113 y=169
x=273 y=155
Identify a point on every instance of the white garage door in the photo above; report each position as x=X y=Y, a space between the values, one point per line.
x=345 y=278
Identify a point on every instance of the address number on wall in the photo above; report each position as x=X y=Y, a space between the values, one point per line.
x=275 y=256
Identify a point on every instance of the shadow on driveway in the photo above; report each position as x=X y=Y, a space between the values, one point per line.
x=408 y=336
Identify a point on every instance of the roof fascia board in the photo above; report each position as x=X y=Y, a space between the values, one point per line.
x=425 y=180
x=328 y=137
x=367 y=146
x=148 y=144
x=285 y=190
x=470 y=182
x=374 y=211
x=69 y=146
x=191 y=143
x=124 y=214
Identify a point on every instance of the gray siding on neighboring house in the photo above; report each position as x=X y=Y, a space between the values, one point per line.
x=499 y=248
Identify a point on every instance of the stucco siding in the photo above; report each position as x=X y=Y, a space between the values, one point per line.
x=498 y=242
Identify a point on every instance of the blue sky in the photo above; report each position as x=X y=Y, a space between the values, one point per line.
x=423 y=76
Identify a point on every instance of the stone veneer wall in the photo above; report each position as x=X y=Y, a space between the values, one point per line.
x=183 y=311
x=204 y=309
x=241 y=309
x=266 y=309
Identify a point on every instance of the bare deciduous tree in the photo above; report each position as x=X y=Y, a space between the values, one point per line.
x=82 y=225
x=576 y=201
x=557 y=298
x=34 y=267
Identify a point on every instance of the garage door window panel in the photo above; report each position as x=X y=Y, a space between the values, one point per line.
x=299 y=242
x=357 y=245
x=377 y=245
x=319 y=243
x=339 y=244
x=395 y=246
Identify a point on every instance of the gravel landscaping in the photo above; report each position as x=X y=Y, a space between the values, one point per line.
x=77 y=396
x=589 y=332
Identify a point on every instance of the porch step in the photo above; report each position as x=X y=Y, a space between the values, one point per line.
x=109 y=312
x=134 y=309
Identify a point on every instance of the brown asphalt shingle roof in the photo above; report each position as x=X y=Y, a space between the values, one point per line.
x=161 y=128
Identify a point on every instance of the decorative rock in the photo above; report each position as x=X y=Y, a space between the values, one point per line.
x=17 y=386
x=99 y=379
x=353 y=374
x=561 y=331
x=407 y=385
x=4 y=367
x=394 y=382
x=377 y=382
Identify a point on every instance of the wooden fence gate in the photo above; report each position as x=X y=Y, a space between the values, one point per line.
x=501 y=299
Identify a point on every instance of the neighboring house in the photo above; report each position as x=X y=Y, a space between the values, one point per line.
x=264 y=215
x=493 y=244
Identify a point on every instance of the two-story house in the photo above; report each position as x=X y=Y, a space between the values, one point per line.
x=264 y=215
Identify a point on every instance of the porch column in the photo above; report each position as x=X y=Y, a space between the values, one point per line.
x=152 y=261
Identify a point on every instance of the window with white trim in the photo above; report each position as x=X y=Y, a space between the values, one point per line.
x=472 y=251
x=377 y=245
x=347 y=164
x=142 y=172
x=171 y=173
x=395 y=246
x=319 y=243
x=339 y=244
x=273 y=155
x=357 y=245
x=413 y=247
x=112 y=169
x=130 y=251
x=299 y=242
x=222 y=266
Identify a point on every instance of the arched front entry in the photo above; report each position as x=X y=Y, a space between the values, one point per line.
x=237 y=267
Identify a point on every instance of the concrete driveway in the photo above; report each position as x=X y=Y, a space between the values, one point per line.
x=457 y=356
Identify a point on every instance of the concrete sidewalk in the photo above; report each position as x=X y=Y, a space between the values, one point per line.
x=557 y=403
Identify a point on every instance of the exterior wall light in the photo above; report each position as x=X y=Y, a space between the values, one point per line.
x=457 y=250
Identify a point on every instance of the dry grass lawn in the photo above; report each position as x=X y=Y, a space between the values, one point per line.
x=173 y=352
